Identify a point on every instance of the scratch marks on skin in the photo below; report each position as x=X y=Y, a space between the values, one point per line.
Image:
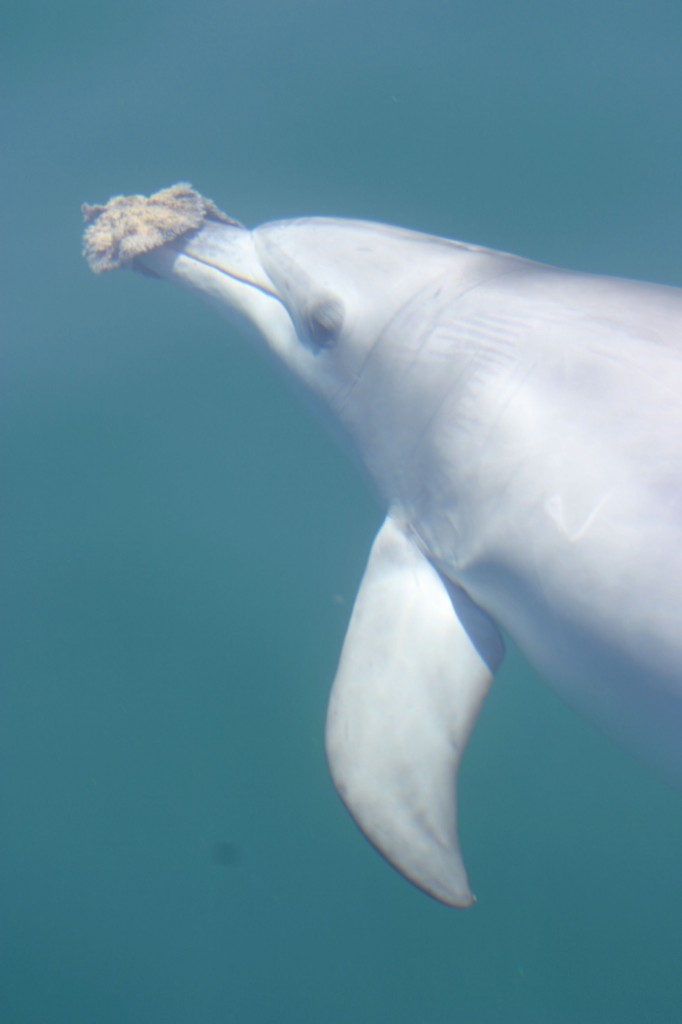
x=572 y=526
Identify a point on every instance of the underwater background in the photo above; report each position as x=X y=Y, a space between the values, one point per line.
x=181 y=544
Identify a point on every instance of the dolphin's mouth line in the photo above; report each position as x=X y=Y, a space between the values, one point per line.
x=229 y=273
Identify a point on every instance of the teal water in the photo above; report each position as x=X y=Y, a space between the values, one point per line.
x=181 y=545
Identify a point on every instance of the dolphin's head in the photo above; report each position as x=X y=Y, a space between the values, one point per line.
x=320 y=292
x=345 y=306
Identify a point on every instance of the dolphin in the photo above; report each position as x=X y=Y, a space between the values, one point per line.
x=522 y=426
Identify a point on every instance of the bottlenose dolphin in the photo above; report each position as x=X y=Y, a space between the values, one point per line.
x=522 y=426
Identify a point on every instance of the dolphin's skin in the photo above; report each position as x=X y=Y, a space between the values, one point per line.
x=522 y=426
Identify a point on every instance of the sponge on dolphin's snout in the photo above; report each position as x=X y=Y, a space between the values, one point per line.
x=128 y=226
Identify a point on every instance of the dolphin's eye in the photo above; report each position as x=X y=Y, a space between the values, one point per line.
x=325 y=319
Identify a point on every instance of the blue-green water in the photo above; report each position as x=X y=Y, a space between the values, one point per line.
x=181 y=545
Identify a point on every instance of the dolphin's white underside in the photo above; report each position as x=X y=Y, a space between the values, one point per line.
x=522 y=426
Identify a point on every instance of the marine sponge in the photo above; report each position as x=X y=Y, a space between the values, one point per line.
x=128 y=226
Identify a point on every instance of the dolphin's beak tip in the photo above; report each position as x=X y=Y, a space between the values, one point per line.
x=130 y=226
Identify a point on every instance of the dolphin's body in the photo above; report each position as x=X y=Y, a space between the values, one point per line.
x=523 y=428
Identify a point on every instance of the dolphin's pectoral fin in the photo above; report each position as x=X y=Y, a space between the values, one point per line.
x=408 y=690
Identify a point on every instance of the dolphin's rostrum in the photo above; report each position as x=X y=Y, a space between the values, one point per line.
x=522 y=426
